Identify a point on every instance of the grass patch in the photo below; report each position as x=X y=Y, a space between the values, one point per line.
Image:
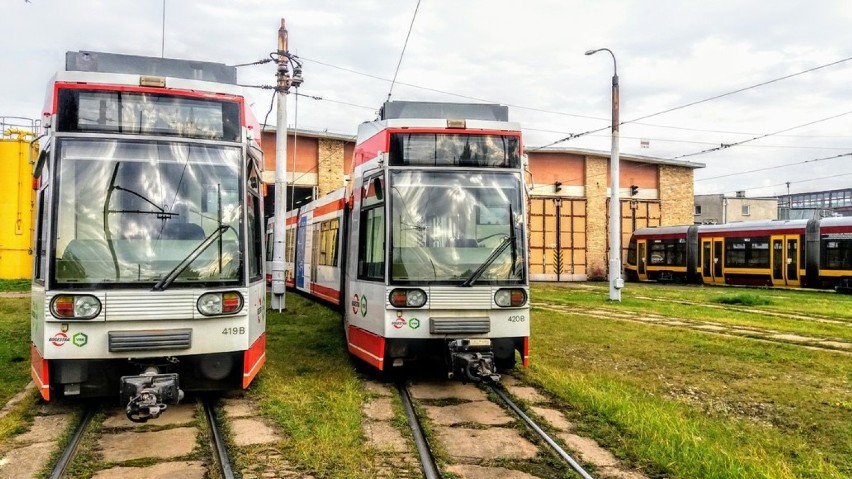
x=311 y=391
x=745 y=299
x=14 y=346
x=15 y=285
x=686 y=404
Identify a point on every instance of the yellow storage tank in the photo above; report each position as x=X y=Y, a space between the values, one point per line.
x=17 y=198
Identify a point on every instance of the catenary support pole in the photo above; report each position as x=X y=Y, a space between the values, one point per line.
x=278 y=231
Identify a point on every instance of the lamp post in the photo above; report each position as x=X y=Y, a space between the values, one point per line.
x=615 y=280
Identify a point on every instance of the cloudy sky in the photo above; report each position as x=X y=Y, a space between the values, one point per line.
x=528 y=55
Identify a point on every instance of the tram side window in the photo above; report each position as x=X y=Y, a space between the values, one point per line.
x=836 y=254
x=371 y=247
x=328 y=242
x=668 y=253
x=747 y=252
x=40 y=252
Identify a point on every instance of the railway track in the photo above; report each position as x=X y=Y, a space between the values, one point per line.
x=220 y=458
x=428 y=463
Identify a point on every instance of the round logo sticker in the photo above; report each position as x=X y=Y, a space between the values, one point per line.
x=398 y=323
x=59 y=339
x=356 y=303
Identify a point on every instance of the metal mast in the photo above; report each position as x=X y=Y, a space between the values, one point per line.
x=285 y=81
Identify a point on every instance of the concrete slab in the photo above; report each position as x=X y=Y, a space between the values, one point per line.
x=711 y=327
x=45 y=429
x=377 y=388
x=164 y=470
x=379 y=409
x=589 y=450
x=477 y=412
x=25 y=462
x=553 y=417
x=793 y=338
x=382 y=435
x=470 y=471
x=527 y=393
x=836 y=344
x=615 y=473
x=240 y=408
x=247 y=432
x=16 y=399
x=129 y=445
x=447 y=390
x=484 y=444
x=175 y=415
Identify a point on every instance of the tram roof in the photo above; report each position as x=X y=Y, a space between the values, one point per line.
x=101 y=62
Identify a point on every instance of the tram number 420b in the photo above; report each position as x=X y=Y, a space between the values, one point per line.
x=234 y=330
x=517 y=318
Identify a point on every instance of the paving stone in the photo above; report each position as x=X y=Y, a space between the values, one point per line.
x=377 y=388
x=252 y=431
x=383 y=435
x=507 y=380
x=174 y=415
x=379 y=409
x=711 y=327
x=45 y=429
x=527 y=393
x=240 y=408
x=616 y=473
x=589 y=450
x=478 y=412
x=451 y=390
x=483 y=444
x=25 y=462
x=792 y=337
x=16 y=399
x=553 y=417
x=125 y=446
x=164 y=470
x=470 y=471
x=836 y=344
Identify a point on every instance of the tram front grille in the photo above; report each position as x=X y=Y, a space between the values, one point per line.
x=154 y=340
x=459 y=325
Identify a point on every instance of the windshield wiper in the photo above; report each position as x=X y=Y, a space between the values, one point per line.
x=508 y=240
x=172 y=275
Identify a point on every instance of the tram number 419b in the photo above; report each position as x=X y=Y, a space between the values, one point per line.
x=517 y=319
x=234 y=330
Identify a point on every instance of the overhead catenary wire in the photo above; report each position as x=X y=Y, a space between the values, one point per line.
x=729 y=145
x=404 y=45
x=775 y=167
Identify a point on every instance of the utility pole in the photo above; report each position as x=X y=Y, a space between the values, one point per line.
x=285 y=81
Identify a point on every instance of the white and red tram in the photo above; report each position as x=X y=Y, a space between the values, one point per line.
x=148 y=276
x=425 y=249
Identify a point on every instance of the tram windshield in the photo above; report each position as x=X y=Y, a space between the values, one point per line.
x=449 y=227
x=131 y=211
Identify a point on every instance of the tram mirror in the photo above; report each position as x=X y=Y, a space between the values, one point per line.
x=377 y=188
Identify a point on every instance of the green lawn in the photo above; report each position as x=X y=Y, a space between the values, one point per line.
x=683 y=403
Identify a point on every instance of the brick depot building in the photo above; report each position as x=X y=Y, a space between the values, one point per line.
x=568 y=204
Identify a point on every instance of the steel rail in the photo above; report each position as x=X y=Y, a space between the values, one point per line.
x=220 y=450
x=561 y=452
x=71 y=448
x=427 y=460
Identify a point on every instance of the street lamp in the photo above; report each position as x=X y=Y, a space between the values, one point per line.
x=615 y=280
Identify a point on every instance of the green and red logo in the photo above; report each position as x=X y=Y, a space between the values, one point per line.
x=79 y=339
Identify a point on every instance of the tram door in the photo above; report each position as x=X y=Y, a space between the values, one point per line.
x=641 y=259
x=785 y=260
x=711 y=260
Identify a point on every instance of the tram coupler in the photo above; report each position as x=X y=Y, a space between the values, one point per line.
x=148 y=395
x=472 y=362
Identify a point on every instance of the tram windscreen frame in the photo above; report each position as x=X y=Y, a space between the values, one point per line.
x=455 y=149
x=446 y=224
x=145 y=113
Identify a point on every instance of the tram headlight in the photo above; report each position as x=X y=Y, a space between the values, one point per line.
x=510 y=297
x=75 y=306
x=407 y=298
x=212 y=304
